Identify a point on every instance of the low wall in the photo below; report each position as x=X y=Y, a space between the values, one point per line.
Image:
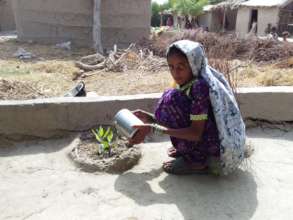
x=267 y=103
x=53 y=116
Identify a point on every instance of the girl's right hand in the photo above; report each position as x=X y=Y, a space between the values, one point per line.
x=144 y=116
x=142 y=132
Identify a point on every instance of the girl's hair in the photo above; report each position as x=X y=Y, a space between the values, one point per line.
x=174 y=51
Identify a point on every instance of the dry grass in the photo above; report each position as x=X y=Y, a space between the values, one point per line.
x=227 y=46
x=226 y=67
x=130 y=82
x=22 y=90
x=47 y=52
x=55 y=66
x=265 y=75
x=51 y=73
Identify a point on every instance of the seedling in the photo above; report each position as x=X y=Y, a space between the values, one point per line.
x=104 y=138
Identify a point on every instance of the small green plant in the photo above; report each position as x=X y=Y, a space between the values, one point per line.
x=104 y=138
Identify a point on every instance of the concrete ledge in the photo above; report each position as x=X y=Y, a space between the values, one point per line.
x=48 y=117
x=267 y=103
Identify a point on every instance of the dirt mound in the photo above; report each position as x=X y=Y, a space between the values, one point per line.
x=16 y=90
x=86 y=156
x=226 y=46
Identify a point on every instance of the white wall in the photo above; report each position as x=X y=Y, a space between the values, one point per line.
x=265 y=16
x=205 y=20
x=242 y=22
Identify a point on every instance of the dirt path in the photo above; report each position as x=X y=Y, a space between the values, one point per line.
x=38 y=181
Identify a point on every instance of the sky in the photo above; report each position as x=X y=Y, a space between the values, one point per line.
x=160 y=1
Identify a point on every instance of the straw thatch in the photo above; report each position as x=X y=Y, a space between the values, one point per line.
x=231 y=4
x=266 y=3
x=234 y=4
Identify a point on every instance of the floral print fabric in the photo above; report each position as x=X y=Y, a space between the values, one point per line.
x=177 y=109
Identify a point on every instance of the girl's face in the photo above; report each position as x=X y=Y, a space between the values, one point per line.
x=180 y=69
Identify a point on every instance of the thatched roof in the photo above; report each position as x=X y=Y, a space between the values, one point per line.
x=207 y=8
x=266 y=3
x=232 y=4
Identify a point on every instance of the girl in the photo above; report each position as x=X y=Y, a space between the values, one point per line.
x=201 y=116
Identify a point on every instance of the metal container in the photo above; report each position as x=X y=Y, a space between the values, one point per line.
x=124 y=120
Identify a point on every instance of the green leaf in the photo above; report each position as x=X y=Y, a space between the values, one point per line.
x=106 y=145
x=110 y=136
x=101 y=131
x=106 y=133
x=96 y=135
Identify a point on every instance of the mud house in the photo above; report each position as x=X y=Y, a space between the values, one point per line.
x=220 y=17
x=95 y=23
x=204 y=20
x=279 y=13
x=239 y=15
x=7 y=22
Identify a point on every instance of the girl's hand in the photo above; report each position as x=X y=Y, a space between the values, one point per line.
x=143 y=131
x=146 y=117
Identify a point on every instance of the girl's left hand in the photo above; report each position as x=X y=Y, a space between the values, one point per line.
x=143 y=131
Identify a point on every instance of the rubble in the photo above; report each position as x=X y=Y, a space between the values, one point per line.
x=22 y=54
x=119 y=60
x=64 y=45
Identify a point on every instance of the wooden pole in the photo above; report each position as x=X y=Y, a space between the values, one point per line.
x=224 y=20
x=161 y=19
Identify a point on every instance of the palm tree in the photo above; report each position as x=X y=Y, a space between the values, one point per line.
x=215 y=1
x=188 y=8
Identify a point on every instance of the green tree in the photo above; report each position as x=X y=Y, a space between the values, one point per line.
x=188 y=7
x=215 y=1
x=156 y=10
x=155 y=20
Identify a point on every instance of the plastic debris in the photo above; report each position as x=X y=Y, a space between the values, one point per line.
x=64 y=45
x=23 y=54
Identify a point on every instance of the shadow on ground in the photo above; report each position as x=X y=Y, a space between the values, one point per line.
x=196 y=196
x=272 y=131
x=10 y=148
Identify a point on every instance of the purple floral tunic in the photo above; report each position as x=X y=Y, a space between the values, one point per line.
x=178 y=107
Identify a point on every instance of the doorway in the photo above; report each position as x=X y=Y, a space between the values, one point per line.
x=253 y=21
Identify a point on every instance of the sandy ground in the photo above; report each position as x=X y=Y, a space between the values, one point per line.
x=52 y=70
x=38 y=181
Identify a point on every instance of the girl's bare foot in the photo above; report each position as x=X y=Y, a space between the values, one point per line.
x=172 y=152
x=180 y=167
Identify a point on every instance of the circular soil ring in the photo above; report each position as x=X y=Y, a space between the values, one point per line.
x=86 y=157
